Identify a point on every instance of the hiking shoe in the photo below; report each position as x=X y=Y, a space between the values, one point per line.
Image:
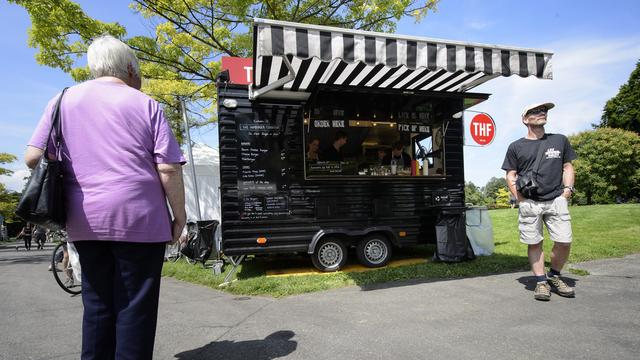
x=542 y=292
x=559 y=287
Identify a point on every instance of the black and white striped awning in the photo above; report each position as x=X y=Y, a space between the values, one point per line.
x=336 y=56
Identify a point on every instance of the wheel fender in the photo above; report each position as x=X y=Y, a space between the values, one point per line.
x=387 y=230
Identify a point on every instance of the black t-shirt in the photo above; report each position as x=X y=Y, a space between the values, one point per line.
x=521 y=156
x=331 y=154
x=404 y=159
x=26 y=231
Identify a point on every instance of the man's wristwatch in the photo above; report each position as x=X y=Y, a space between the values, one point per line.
x=571 y=188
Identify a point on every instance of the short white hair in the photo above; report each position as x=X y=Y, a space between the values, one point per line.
x=108 y=56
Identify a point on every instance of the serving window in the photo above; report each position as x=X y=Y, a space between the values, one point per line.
x=373 y=136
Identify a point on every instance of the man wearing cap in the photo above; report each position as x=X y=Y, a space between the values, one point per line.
x=553 y=176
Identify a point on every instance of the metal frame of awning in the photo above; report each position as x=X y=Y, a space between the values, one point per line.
x=292 y=57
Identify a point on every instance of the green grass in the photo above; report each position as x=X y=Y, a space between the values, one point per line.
x=600 y=231
x=579 y=272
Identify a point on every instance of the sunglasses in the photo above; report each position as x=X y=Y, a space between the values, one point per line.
x=537 y=111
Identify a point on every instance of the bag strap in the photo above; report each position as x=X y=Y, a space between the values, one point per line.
x=56 y=123
x=541 y=147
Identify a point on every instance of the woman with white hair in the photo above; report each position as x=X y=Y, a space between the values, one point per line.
x=121 y=163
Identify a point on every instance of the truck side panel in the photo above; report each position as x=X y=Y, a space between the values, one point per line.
x=407 y=206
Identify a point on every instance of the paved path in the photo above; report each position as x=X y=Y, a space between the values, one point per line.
x=493 y=317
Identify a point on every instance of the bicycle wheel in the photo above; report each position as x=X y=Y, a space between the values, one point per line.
x=64 y=274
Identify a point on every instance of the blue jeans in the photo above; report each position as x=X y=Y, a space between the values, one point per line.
x=120 y=290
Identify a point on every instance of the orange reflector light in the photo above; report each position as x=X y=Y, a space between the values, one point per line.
x=402 y=233
x=261 y=240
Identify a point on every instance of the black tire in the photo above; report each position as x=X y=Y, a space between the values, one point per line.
x=374 y=250
x=330 y=255
x=60 y=273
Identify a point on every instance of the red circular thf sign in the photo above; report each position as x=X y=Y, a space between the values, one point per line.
x=483 y=129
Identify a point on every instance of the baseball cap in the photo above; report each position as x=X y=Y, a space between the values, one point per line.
x=533 y=106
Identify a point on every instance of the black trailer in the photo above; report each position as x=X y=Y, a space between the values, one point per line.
x=291 y=183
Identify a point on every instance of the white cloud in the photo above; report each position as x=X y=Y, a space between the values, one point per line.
x=16 y=180
x=16 y=130
x=587 y=73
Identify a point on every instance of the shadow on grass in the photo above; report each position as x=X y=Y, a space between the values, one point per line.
x=382 y=278
x=252 y=279
x=439 y=271
x=274 y=346
x=258 y=266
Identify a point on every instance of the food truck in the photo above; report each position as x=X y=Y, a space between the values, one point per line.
x=347 y=142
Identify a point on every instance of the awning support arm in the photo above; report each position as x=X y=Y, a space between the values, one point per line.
x=254 y=94
x=477 y=82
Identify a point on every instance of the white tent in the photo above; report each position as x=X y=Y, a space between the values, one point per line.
x=207 y=167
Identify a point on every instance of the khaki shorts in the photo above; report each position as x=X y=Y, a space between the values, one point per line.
x=554 y=213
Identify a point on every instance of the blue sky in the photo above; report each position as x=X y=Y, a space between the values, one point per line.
x=596 y=46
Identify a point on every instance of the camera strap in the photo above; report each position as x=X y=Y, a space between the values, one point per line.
x=536 y=164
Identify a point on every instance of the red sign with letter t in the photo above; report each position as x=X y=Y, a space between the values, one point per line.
x=240 y=69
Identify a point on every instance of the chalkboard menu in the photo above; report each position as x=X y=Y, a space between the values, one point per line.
x=263 y=181
x=264 y=206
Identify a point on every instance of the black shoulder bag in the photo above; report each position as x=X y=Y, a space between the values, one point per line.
x=42 y=201
x=527 y=183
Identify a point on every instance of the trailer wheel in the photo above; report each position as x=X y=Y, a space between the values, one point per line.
x=374 y=250
x=330 y=255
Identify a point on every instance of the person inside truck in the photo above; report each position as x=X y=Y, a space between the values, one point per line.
x=312 y=151
x=398 y=156
x=382 y=154
x=334 y=152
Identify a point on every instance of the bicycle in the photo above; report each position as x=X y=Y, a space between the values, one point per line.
x=61 y=265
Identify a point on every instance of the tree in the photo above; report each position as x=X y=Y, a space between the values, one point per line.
x=6 y=159
x=623 y=110
x=8 y=199
x=8 y=202
x=473 y=195
x=502 y=198
x=608 y=165
x=491 y=189
x=182 y=57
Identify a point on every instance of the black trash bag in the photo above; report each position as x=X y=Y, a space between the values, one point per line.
x=452 y=244
x=200 y=242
